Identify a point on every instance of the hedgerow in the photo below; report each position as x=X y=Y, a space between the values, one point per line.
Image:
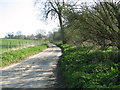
x=84 y=67
x=18 y=55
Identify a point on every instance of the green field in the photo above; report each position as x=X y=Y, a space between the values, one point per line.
x=10 y=44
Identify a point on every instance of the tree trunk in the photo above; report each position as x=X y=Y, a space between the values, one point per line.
x=118 y=18
x=62 y=29
x=118 y=34
x=119 y=47
x=118 y=43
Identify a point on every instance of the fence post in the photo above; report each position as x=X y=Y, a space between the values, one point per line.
x=26 y=43
x=11 y=45
x=20 y=45
x=17 y=45
x=7 y=46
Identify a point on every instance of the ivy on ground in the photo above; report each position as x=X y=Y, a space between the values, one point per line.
x=84 y=67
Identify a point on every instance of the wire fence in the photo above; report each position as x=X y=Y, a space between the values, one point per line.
x=10 y=45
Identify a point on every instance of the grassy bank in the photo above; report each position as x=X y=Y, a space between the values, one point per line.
x=85 y=67
x=18 y=55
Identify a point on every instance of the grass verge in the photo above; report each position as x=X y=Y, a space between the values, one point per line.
x=18 y=55
x=85 y=67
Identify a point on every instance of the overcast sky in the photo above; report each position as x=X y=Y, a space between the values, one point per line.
x=21 y=15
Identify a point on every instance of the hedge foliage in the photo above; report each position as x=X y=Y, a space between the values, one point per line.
x=18 y=55
x=85 y=67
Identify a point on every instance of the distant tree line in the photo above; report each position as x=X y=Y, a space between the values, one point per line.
x=55 y=36
x=38 y=36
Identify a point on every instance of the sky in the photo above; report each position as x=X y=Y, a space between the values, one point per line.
x=21 y=15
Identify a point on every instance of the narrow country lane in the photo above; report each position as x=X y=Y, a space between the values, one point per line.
x=34 y=72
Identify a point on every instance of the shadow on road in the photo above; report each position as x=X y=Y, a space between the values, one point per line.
x=59 y=81
x=41 y=72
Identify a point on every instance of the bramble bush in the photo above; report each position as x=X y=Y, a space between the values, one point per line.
x=18 y=55
x=85 y=67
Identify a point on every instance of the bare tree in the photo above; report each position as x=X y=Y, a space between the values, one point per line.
x=56 y=8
